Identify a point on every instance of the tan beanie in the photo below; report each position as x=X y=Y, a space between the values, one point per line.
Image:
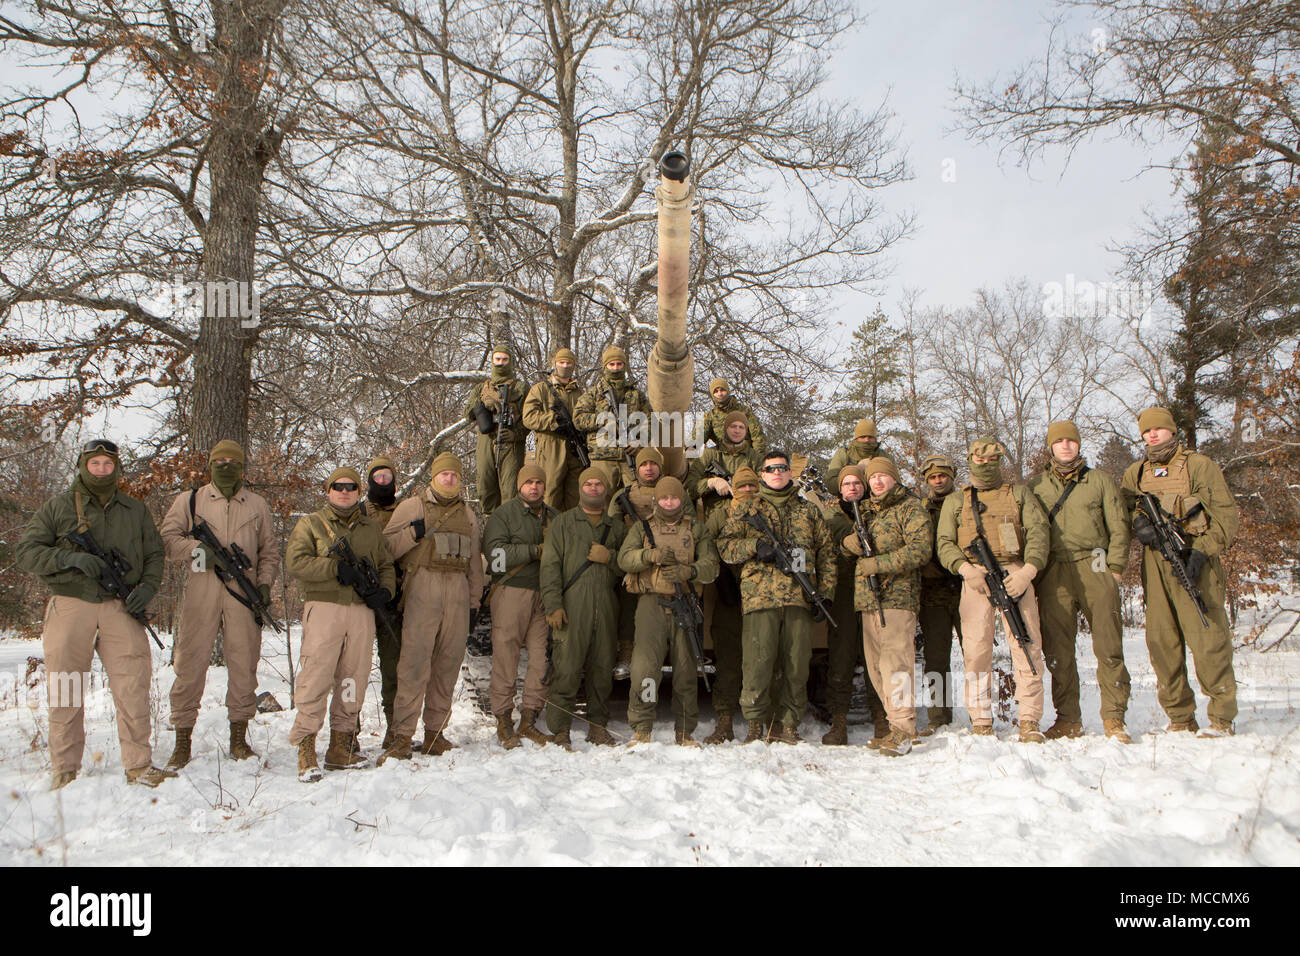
x=736 y=416
x=1058 y=430
x=226 y=449
x=593 y=472
x=612 y=354
x=1156 y=417
x=745 y=476
x=718 y=383
x=379 y=461
x=343 y=473
x=850 y=470
x=669 y=487
x=881 y=465
x=649 y=454
x=865 y=428
x=445 y=461
x=566 y=354
x=530 y=472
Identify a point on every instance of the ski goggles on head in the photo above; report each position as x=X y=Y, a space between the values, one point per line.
x=97 y=445
x=344 y=486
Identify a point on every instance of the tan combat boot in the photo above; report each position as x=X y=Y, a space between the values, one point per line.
x=61 y=779
x=838 y=735
x=789 y=735
x=755 y=735
x=1030 y=734
x=598 y=735
x=722 y=731
x=774 y=730
x=148 y=776
x=340 y=755
x=982 y=729
x=563 y=740
x=686 y=740
x=881 y=733
x=399 y=748
x=389 y=737
x=1183 y=726
x=936 y=717
x=1218 y=728
x=181 y=749
x=506 y=730
x=239 y=748
x=1067 y=729
x=640 y=737
x=435 y=744
x=308 y=769
x=897 y=744
x=1115 y=730
x=528 y=729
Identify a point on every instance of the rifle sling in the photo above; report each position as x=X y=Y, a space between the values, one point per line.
x=225 y=584
x=604 y=532
x=1069 y=487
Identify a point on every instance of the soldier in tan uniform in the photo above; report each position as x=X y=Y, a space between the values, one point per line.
x=562 y=466
x=338 y=627
x=1090 y=539
x=236 y=516
x=681 y=555
x=599 y=411
x=1015 y=526
x=436 y=538
x=512 y=545
x=1191 y=489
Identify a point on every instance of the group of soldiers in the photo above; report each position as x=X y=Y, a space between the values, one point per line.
x=599 y=564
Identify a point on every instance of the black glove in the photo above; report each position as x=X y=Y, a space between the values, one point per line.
x=418 y=527
x=483 y=419
x=378 y=600
x=1196 y=561
x=347 y=575
x=89 y=565
x=140 y=597
x=765 y=551
x=1145 y=531
x=818 y=614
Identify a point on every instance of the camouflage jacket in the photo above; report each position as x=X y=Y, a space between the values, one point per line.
x=710 y=461
x=800 y=525
x=900 y=531
x=593 y=414
x=710 y=428
x=850 y=454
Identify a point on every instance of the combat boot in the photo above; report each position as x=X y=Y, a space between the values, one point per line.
x=879 y=737
x=339 y=755
x=640 y=737
x=506 y=730
x=774 y=730
x=389 y=736
x=528 y=730
x=686 y=740
x=789 y=735
x=181 y=750
x=239 y=748
x=1218 y=728
x=598 y=735
x=982 y=729
x=563 y=740
x=897 y=744
x=1183 y=726
x=308 y=769
x=61 y=779
x=1069 y=729
x=148 y=776
x=399 y=748
x=936 y=717
x=1030 y=734
x=722 y=731
x=434 y=745
x=838 y=735
x=755 y=735
x=1115 y=730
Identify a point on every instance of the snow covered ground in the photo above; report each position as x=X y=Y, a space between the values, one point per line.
x=1169 y=800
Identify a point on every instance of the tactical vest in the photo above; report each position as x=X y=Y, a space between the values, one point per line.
x=446 y=545
x=1001 y=519
x=1174 y=491
x=678 y=537
x=643 y=499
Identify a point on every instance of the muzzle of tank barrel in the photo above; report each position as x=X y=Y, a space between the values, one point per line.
x=670 y=370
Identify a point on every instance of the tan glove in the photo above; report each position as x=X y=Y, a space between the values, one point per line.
x=490 y=398
x=869 y=566
x=973 y=575
x=678 y=573
x=661 y=556
x=852 y=544
x=720 y=486
x=598 y=553
x=557 y=619
x=1018 y=581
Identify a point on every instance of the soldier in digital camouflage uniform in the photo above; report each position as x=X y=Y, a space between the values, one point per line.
x=712 y=427
x=1090 y=538
x=778 y=618
x=1190 y=487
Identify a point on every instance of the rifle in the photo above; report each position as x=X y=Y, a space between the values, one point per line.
x=369 y=586
x=980 y=552
x=810 y=482
x=569 y=432
x=505 y=419
x=1171 y=544
x=786 y=564
x=684 y=605
x=869 y=550
x=229 y=566
x=113 y=578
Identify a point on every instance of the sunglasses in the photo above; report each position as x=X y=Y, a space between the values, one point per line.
x=97 y=445
x=343 y=486
x=772 y=469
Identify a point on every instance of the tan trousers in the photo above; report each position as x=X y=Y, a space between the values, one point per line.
x=435 y=624
x=338 y=641
x=977 y=649
x=208 y=606
x=891 y=663
x=518 y=621
x=69 y=640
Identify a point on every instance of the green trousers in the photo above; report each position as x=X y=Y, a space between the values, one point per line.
x=724 y=630
x=776 y=637
x=497 y=485
x=1173 y=627
x=581 y=657
x=1064 y=589
x=656 y=639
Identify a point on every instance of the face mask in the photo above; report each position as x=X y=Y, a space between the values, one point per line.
x=988 y=474
x=101 y=488
x=383 y=495
x=345 y=512
x=615 y=376
x=502 y=372
x=228 y=477
x=592 y=502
